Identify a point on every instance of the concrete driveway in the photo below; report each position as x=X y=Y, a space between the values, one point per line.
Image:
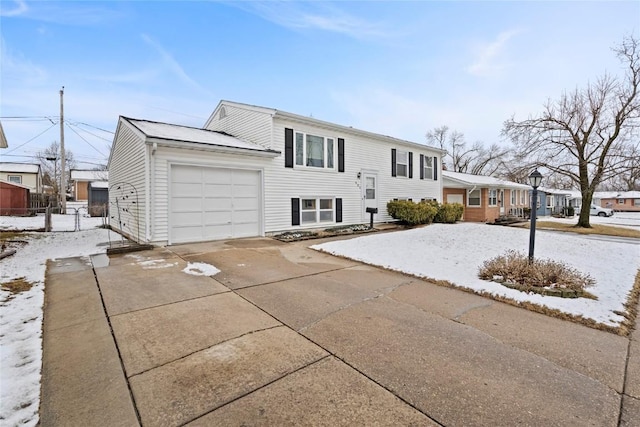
x=285 y=335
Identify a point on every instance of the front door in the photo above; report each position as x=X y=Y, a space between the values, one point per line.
x=369 y=193
x=501 y=201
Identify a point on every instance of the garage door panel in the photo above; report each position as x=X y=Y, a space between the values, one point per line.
x=214 y=203
x=217 y=176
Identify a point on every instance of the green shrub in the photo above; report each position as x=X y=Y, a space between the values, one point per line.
x=412 y=213
x=449 y=213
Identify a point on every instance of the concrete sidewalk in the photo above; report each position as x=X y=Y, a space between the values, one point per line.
x=284 y=335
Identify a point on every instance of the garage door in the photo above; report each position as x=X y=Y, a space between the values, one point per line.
x=213 y=203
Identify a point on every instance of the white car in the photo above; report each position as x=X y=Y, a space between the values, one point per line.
x=597 y=210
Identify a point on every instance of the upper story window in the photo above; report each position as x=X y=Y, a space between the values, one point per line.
x=314 y=151
x=493 y=197
x=428 y=167
x=16 y=179
x=402 y=163
x=473 y=198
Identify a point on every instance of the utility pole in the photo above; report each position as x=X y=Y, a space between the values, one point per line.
x=63 y=178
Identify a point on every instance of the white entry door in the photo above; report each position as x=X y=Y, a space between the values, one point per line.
x=501 y=201
x=213 y=203
x=369 y=193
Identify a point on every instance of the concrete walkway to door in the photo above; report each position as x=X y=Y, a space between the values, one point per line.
x=284 y=335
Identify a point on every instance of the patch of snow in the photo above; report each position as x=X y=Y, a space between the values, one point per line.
x=200 y=269
x=619 y=219
x=21 y=317
x=58 y=222
x=456 y=252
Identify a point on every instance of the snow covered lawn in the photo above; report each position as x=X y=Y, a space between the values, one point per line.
x=58 y=222
x=455 y=252
x=21 y=313
x=619 y=219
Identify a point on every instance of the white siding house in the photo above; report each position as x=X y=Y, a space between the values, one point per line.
x=253 y=171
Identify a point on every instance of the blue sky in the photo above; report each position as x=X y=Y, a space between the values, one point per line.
x=396 y=68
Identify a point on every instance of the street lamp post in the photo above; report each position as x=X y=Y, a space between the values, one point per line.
x=534 y=180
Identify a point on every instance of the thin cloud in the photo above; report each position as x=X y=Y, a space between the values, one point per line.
x=16 y=68
x=312 y=16
x=489 y=57
x=19 y=7
x=171 y=63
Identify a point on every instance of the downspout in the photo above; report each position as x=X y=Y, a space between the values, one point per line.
x=150 y=166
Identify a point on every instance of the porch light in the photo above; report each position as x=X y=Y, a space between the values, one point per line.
x=534 y=179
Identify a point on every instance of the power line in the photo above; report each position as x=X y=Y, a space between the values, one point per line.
x=95 y=127
x=40 y=134
x=90 y=133
x=82 y=138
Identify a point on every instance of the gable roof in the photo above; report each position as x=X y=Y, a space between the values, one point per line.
x=469 y=180
x=19 y=167
x=88 y=175
x=3 y=138
x=320 y=123
x=178 y=135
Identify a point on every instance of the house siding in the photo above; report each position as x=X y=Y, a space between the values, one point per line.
x=250 y=125
x=30 y=180
x=630 y=204
x=127 y=177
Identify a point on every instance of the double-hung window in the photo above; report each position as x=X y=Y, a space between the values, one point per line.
x=314 y=151
x=513 y=197
x=522 y=196
x=16 y=179
x=316 y=210
x=402 y=163
x=550 y=201
x=428 y=167
x=473 y=198
x=493 y=197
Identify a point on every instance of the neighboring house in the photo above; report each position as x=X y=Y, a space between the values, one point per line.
x=253 y=171
x=552 y=201
x=622 y=201
x=3 y=138
x=14 y=199
x=26 y=174
x=484 y=198
x=80 y=180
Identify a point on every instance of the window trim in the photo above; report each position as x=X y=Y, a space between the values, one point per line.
x=19 y=181
x=318 y=210
x=326 y=159
x=405 y=164
x=550 y=201
x=428 y=159
x=479 y=205
x=493 y=195
x=514 y=197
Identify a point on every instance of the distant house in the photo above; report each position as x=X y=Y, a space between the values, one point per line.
x=81 y=178
x=14 y=199
x=484 y=198
x=552 y=201
x=26 y=174
x=98 y=198
x=622 y=201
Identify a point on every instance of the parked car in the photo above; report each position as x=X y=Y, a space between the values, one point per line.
x=597 y=210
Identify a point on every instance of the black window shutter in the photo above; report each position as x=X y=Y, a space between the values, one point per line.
x=393 y=162
x=340 y=154
x=288 y=148
x=410 y=164
x=338 y=210
x=421 y=166
x=435 y=168
x=295 y=211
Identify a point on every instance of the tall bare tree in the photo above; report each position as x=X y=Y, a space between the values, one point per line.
x=50 y=164
x=585 y=134
x=475 y=160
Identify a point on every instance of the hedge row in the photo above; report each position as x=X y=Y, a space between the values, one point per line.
x=426 y=212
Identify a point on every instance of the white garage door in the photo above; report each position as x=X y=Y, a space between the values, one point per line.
x=213 y=203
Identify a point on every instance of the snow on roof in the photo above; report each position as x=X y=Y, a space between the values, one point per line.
x=617 y=194
x=19 y=167
x=189 y=134
x=89 y=175
x=99 y=184
x=481 y=180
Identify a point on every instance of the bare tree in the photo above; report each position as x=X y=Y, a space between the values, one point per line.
x=585 y=134
x=50 y=164
x=475 y=160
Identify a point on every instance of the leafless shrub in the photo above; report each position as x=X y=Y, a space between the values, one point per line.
x=514 y=268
